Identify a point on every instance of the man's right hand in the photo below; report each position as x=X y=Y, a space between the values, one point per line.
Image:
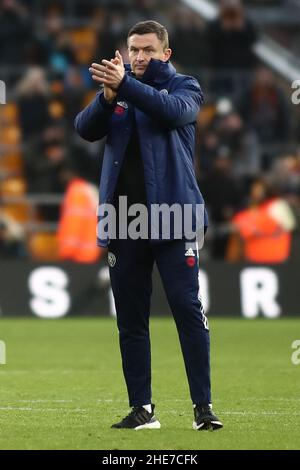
x=109 y=93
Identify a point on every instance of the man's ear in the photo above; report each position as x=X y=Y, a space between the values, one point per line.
x=167 y=53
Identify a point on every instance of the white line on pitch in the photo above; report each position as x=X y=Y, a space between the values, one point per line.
x=23 y=408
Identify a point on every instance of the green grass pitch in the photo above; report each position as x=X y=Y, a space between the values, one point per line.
x=62 y=386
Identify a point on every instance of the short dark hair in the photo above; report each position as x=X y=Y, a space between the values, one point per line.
x=146 y=27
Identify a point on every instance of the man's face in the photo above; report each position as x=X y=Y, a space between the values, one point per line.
x=144 y=47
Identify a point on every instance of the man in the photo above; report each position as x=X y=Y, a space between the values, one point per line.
x=148 y=114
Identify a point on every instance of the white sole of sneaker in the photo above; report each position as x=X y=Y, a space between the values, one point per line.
x=214 y=425
x=154 y=425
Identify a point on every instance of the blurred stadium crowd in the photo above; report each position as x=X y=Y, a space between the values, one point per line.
x=248 y=149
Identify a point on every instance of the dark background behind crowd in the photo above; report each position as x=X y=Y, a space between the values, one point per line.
x=248 y=150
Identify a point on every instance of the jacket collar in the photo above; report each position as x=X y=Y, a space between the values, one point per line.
x=157 y=72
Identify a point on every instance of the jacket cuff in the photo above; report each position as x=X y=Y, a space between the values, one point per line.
x=123 y=83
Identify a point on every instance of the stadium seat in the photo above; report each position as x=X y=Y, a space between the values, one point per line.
x=10 y=135
x=13 y=187
x=9 y=114
x=21 y=212
x=43 y=246
x=234 y=250
x=84 y=42
x=56 y=109
x=11 y=162
x=206 y=115
x=88 y=97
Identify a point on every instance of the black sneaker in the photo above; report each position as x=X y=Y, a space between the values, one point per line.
x=138 y=418
x=205 y=419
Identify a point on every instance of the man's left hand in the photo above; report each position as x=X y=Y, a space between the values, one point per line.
x=108 y=73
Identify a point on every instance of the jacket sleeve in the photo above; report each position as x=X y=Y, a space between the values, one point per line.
x=92 y=123
x=173 y=110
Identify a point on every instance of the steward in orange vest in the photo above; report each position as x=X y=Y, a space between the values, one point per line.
x=77 y=225
x=266 y=231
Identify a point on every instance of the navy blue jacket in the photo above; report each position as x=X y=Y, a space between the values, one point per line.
x=165 y=105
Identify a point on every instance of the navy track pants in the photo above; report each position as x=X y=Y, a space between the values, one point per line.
x=130 y=272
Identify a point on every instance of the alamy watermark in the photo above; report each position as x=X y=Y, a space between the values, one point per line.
x=296 y=94
x=295 y=357
x=2 y=92
x=2 y=353
x=159 y=222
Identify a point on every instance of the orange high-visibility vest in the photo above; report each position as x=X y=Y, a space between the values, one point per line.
x=265 y=240
x=77 y=225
